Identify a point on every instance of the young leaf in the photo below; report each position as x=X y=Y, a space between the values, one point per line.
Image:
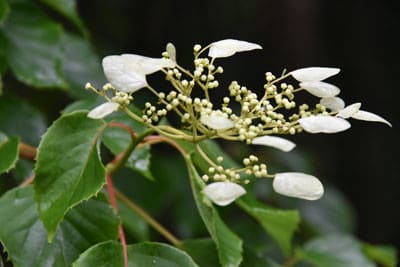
x=33 y=46
x=68 y=168
x=109 y=254
x=280 y=224
x=8 y=152
x=333 y=251
x=25 y=238
x=386 y=256
x=69 y=10
x=229 y=246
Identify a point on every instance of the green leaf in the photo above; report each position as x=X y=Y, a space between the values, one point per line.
x=333 y=251
x=4 y=9
x=8 y=152
x=386 y=256
x=80 y=65
x=32 y=46
x=203 y=251
x=21 y=119
x=229 y=246
x=331 y=214
x=69 y=10
x=109 y=254
x=280 y=224
x=68 y=168
x=25 y=238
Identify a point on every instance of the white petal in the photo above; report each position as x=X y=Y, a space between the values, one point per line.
x=274 y=141
x=103 y=110
x=128 y=72
x=223 y=193
x=313 y=74
x=229 y=47
x=320 y=89
x=217 y=121
x=323 y=124
x=369 y=116
x=300 y=185
x=333 y=103
x=348 y=111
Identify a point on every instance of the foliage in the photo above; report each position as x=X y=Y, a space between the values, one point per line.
x=96 y=181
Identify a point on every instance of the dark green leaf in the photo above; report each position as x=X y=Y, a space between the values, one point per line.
x=334 y=251
x=203 y=251
x=331 y=214
x=280 y=224
x=382 y=254
x=68 y=9
x=4 y=9
x=21 y=119
x=32 y=46
x=133 y=223
x=25 y=238
x=80 y=65
x=8 y=152
x=109 y=254
x=68 y=168
x=229 y=246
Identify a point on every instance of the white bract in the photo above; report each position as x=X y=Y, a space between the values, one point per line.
x=320 y=89
x=103 y=110
x=229 y=47
x=323 y=124
x=274 y=141
x=333 y=103
x=349 y=111
x=313 y=74
x=299 y=185
x=217 y=120
x=223 y=193
x=128 y=72
x=369 y=116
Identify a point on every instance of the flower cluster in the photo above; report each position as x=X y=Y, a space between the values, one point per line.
x=263 y=114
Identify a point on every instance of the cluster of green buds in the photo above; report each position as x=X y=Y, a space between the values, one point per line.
x=263 y=114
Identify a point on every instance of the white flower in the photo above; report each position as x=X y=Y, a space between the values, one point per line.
x=314 y=74
x=274 y=141
x=223 y=193
x=320 y=89
x=349 y=111
x=228 y=47
x=300 y=185
x=369 y=116
x=323 y=124
x=333 y=103
x=217 y=120
x=103 y=110
x=128 y=72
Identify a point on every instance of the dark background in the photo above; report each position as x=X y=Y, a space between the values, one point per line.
x=360 y=37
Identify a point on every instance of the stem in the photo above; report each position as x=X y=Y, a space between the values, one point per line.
x=27 y=151
x=150 y=220
x=114 y=204
x=204 y=155
x=120 y=161
x=290 y=262
x=154 y=139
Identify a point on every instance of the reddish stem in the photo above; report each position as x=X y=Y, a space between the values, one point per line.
x=27 y=151
x=114 y=204
x=123 y=126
